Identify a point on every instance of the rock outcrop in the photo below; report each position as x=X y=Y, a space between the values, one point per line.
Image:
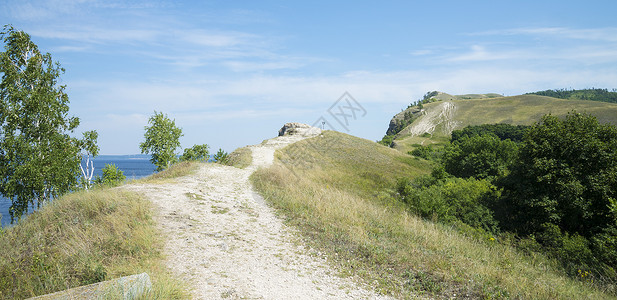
x=298 y=129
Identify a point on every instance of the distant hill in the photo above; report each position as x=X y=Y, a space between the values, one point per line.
x=603 y=95
x=447 y=113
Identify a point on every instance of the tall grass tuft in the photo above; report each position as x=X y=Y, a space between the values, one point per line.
x=240 y=158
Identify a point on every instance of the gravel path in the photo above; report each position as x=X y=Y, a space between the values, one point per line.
x=227 y=243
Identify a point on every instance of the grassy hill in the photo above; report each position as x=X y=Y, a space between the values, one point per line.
x=87 y=237
x=515 y=110
x=337 y=189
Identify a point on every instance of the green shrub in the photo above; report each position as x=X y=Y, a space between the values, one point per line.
x=112 y=176
x=197 y=153
x=480 y=156
x=450 y=200
x=221 y=157
x=426 y=152
x=387 y=140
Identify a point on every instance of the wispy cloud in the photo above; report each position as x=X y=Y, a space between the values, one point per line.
x=481 y=53
x=607 y=34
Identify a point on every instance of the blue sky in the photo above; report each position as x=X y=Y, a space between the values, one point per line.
x=231 y=73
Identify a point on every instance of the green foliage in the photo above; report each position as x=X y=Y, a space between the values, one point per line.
x=592 y=94
x=197 y=152
x=562 y=188
x=502 y=131
x=39 y=160
x=566 y=175
x=386 y=140
x=426 y=152
x=450 y=200
x=221 y=156
x=162 y=138
x=112 y=176
x=479 y=156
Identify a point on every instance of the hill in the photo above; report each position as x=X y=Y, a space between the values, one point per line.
x=439 y=118
x=338 y=190
x=593 y=94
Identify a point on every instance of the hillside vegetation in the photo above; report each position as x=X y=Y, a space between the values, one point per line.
x=603 y=95
x=514 y=110
x=339 y=190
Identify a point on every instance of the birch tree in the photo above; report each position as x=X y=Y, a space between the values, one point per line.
x=39 y=158
x=162 y=138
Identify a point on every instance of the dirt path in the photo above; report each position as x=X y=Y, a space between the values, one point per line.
x=228 y=243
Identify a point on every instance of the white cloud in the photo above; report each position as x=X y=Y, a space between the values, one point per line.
x=480 y=53
x=607 y=34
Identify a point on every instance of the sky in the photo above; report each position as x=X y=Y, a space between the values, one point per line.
x=231 y=73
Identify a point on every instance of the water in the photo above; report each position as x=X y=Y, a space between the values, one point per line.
x=133 y=166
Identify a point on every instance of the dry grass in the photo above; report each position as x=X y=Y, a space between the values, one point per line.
x=335 y=190
x=180 y=169
x=82 y=238
x=240 y=158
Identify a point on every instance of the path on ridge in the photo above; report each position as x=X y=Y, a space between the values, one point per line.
x=227 y=243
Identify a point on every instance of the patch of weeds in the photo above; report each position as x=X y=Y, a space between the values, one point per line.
x=219 y=210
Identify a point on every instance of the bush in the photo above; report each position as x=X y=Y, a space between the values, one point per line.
x=112 y=176
x=481 y=156
x=387 y=140
x=502 y=131
x=221 y=157
x=196 y=153
x=450 y=200
x=426 y=152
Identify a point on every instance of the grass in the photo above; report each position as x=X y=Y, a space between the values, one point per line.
x=83 y=238
x=515 y=110
x=335 y=190
x=527 y=109
x=176 y=170
x=240 y=158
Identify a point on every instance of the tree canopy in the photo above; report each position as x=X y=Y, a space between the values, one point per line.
x=39 y=159
x=162 y=138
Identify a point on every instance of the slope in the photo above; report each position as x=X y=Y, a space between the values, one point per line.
x=441 y=117
x=336 y=189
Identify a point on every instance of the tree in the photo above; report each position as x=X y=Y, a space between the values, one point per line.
x=162 y=138
x=197 y=152
x=480 y=156
x=112 y=176
x=91 y=149
x=566 y=175
x=39 y=160
x=221 y=156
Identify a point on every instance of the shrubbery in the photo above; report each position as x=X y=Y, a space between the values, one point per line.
x=221 y=156
x=112 y=176
x=197 y=153
x=451 y=199
x=556 y=189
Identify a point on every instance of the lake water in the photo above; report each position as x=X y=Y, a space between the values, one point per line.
x=133 y=166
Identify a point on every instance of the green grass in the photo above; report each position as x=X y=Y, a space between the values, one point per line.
x=527 y=109
x=240 y=158
x=335 y=189
x=515 y=110
x=83 y=238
